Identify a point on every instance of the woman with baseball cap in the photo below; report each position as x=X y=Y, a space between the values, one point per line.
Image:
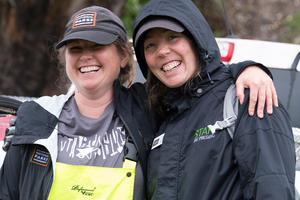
x=193 y=156
x=93 y=141
x=86 y=144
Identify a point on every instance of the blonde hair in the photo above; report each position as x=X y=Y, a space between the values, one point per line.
x=127 y=74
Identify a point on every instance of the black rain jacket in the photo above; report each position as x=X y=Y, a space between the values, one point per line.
x=36 y=124
x=193 y=163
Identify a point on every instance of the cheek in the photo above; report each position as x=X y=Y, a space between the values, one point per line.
x=150 y=62
x=70 y=60
x=197 y=68
x=151 y=68
x=68 y=72
x=69 y=68
x=193 y=62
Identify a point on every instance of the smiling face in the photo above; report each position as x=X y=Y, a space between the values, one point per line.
x=92 y=67
x=170 y=56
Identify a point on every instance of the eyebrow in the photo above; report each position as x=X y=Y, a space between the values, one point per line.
x=163 y=30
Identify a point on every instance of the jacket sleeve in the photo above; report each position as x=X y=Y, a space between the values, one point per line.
x=9 y=174
x=237 y=68
x=265 y=154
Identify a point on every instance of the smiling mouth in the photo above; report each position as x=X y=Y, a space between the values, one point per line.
x=89 y=69
x=171 y=65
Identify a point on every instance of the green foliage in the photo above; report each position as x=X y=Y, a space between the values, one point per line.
x=132 y=8
x=293 y=21
x=292 y=25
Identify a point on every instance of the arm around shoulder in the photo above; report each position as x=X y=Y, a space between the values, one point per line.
x=237 y=68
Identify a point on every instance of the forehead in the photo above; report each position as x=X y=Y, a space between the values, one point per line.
x=154 y=32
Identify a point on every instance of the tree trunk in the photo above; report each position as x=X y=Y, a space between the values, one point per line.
x=29 y=31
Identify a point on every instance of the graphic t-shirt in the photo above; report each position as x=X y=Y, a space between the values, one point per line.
x=94 y=142
x=87 y=141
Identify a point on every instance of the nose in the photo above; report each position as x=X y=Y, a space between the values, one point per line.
x=163 y=49
x=86 y=53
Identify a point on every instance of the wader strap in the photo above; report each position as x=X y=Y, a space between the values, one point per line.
x=129 y=164
x=130 y=150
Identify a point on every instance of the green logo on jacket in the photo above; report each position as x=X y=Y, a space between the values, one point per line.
x=203 y=134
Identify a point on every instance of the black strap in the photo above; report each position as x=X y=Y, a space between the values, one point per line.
x=130 y=149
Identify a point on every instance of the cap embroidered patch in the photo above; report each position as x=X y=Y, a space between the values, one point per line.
x=85 y=19
x=40 y=156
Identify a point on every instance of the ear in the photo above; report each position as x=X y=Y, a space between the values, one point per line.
x=124 y=59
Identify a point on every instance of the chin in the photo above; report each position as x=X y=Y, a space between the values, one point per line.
x=173 y=82
x=173 y=85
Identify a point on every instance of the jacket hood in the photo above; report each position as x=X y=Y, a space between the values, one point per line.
x=186 y=13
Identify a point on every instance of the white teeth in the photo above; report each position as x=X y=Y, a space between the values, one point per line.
x=171 y=65
x=89 y=69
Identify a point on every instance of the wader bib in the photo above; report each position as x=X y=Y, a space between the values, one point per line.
x=76 y=182
x=90 y=182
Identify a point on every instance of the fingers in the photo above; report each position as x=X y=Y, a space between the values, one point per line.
x=262 y=90
x=274 y=95
x=261 y=102
x=271 y=98
x=265 y=96
x=10 y=131
x=252 y=100
x=269 y=101
x=240 y=92
x=9 y=134
x=268 y=94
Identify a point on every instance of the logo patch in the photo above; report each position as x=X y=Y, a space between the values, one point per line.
x=85 y=19
x=203 y=134
x=40 y=157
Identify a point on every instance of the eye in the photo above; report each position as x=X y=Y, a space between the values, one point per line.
x=97 y=47
x=75 y=49
x=149 y=45
x=173 y=36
